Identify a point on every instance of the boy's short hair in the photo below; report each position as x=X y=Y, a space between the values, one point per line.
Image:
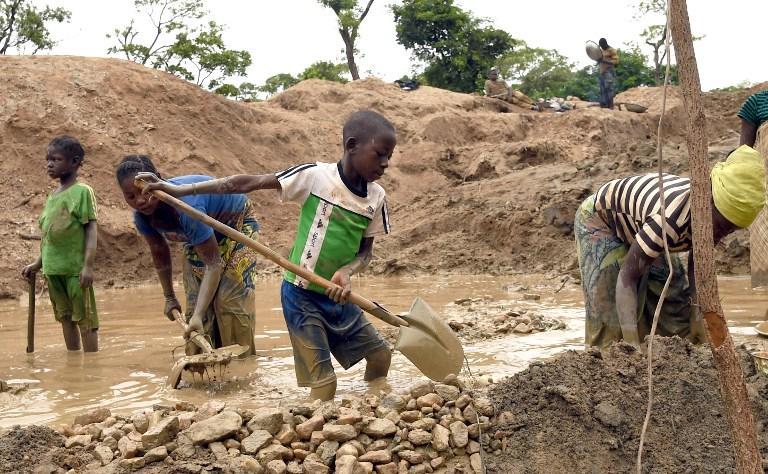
x=68 y=146
x=131 y=165
x=364 y=124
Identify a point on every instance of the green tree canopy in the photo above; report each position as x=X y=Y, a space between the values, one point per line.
x=182 y=44
x=24 y=27
x=350 y=15
x=457 y=48
x=325 y=70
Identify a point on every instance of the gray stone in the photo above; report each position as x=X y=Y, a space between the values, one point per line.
x=419 y=437
x=522 y=328
x=232 y=444
x=128 y=449
x=422 y=388
x=294 y=467
x=327 y=451
x=255 y=441
x=350 y=418
x=154 y=455
x=437 y=462
x=429 y=400
x=286 y=435
x=485 y=407
x=382 y=456
x=218 y=450
x=111 y=432
x=103 y=454
x=393 y=401
x=162 y=432
x=77 y=440
x=348 y=465
x=276 y=466
x=410 y=416
x=339 y=432
x=266 y=419
x=315 y=467
x=609 y=414
x=209 y=409
x=305 y=430
x=463 y=401
x=476 y=462
x=272 y=452
x=214 y=428
x=245 y=465
x=111 y=443
x=390 y=468
x=473 y=447
x=131 y=464
x=447 y=392
x=94 y=416
x=379 y=428
x=459 y=434
x=425 y=424
x=347 y=449
x=413 y=457
x=440 y=438
x=140 y=422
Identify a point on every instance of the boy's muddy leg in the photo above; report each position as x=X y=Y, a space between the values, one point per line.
x=324 y=393
x=90 y=339
x=71 y=334
x=377 y=364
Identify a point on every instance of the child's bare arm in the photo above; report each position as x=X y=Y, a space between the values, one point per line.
x=30 y=270
x=236 y=184
x=343 y=274
x=161 y=257
x=91 y=242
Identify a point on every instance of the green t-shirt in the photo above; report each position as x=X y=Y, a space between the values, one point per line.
x=63 y=229
x=755 y=108
x=334 y=218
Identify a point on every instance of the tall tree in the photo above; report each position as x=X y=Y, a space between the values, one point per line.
x=23 y=25
x=458 y=49
x=182 y=44
x=350 y=16
x=655 y=34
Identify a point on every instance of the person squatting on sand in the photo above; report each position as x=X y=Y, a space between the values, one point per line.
x=68 y=246
x=621 y=254
x=342 y=211
x=218 y=272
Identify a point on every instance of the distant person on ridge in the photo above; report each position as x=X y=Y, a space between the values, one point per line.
x=753 y=114
x=621 y=251
x=342 y=210
x=68 y=246
x=498 y=89
x=607 y=74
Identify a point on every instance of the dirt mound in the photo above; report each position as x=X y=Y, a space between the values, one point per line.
x=583 y=412
x=26 y=447
x=476 y=185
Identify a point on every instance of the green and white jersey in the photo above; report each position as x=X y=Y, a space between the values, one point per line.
x=334 y=219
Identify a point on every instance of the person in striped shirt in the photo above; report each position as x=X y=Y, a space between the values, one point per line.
x=620 y=247
x=753 y=114
x=342 y=211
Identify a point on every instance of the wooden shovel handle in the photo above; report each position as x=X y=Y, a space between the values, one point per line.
x=194 y=336
x=367 y=305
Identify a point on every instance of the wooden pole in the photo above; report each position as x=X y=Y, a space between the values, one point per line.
x=732 y=385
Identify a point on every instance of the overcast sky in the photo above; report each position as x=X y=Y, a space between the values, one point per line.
x=288 y=35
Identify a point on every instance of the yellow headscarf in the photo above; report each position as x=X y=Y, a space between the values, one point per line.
x=738 y=186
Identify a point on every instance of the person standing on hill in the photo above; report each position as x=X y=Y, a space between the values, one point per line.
x=607 y=66
x=68 y=246
x=753 y=114
x=620 y=248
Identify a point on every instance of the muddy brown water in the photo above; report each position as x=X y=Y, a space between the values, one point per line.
x=137 y=347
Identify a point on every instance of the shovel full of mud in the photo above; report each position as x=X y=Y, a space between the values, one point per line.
x=425 y=339
x=208 y=361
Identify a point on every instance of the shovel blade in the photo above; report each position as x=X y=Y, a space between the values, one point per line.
x=429 y=343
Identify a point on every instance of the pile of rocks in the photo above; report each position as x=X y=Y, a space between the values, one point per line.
x=433 y=427
x=481 y=318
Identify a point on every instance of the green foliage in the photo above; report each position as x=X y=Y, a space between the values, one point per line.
x=278 y=83
x=23 y=25
x=457 y=48
x=182 y=45
x=350 y=15
x=325 y=70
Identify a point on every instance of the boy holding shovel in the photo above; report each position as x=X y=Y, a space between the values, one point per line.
x=68 y=246
x=342 y=211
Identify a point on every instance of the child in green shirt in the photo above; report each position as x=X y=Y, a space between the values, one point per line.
x=68 y=246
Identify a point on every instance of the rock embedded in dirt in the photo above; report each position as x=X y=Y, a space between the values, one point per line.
x=103 y=454
x=77 y=440
x=164 y=431
x=214 y=428
x=94 y=416
x=156 y=454
x=379 y=428
x=266 y=419
x=476 y=462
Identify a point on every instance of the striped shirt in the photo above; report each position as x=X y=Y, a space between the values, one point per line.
x=755 y=108
x=630 y=207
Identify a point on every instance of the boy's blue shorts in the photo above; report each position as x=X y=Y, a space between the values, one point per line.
x=319 y=327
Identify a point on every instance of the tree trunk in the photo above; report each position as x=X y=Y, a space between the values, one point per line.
x=349 y=48
x=732 y=387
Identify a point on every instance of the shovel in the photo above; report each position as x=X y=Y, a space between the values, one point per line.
x=208 y=358
x=424 y=338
